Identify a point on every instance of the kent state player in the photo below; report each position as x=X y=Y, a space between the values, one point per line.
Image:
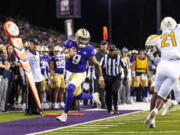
x=168 y=71
x=45 y=60
x=57 y=66
x=77 y=66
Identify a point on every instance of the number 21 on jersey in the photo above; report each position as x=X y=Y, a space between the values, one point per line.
x=165 y=37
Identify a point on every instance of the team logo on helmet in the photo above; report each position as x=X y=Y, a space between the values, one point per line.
x=168 y=23
x=82 y=37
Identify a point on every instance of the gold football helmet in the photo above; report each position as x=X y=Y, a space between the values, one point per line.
x=82 y=37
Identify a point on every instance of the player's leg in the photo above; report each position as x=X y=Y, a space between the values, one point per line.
x=75 y=81
x=144 y=81
x=135 y=87
x=166 y=87
x=61 y=93
x=57 y=83
x=86 y=96
x=171 y=103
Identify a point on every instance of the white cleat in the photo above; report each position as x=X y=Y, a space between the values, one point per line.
x=62 y=118
x=168 y=107
x=46 y=106
x=96 y=100
x=56 y=106
x=146 y=100
x=150 y=121
x=62 y=105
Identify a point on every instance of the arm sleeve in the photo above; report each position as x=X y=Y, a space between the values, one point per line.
x=70 y=43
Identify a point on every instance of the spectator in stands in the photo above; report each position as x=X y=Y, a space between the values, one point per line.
x=4 y=70
x=125 y=92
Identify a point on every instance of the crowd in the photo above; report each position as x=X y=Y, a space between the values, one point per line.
x=128 y=74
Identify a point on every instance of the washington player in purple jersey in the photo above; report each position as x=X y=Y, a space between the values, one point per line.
x=57 y=66
x=76 y=64
x=44 y=64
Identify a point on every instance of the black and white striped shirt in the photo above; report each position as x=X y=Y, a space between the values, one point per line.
x=112 y=65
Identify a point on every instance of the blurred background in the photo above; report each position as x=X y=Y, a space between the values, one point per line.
x=131 y=21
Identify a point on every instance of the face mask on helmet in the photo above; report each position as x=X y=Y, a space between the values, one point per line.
x=45 y=53
x=57 y=50
x=82 y=37
x=57 y=53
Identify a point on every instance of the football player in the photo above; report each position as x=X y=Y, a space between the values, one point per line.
x=57 y=66
x=76 y=64
x=140 y=75
x=45 y=60
x=168 y=71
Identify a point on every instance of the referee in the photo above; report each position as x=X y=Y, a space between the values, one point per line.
x=112 y=65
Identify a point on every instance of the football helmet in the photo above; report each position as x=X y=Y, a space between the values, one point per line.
x=57 y=50
x=38 y=48
x=151 y=42
x=168 y=23
x=45 y=50
x=82 y=37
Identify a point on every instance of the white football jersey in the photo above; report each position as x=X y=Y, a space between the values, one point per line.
x=34 y=62
x=169 y=44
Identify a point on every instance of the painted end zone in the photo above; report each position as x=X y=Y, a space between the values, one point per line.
x=45 y=124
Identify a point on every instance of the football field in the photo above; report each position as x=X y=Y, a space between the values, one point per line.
x=128 y=122
x=127 y=125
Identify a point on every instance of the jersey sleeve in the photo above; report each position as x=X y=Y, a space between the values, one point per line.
x=91 y=51
x=70 y=43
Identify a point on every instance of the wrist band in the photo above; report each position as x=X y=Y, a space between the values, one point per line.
x=133 y=74
x=67 y=56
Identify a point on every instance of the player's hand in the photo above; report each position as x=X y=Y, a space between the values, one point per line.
x=101 y=84
x=72 y=52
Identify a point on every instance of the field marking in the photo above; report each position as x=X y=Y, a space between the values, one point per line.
x=89 y=127
x=121 y=132
x=35 y=133
x=98 y=125
x=165 y=121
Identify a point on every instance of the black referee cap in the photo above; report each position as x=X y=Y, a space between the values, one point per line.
x=112 y=47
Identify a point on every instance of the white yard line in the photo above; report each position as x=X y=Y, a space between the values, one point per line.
x=98 y=125
x=87 y=127
x=122 y=132
x=82 y=123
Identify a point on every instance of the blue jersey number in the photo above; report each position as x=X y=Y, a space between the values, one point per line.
x=76 y=59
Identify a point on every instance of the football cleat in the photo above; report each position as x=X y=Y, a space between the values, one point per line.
x=150 y=120
x=168 y=23
x=96 y=100
x=168 y=107
x=62 y=118
x=82 y=37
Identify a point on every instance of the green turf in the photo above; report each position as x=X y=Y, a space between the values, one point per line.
x=132 y=124
x=12 y=116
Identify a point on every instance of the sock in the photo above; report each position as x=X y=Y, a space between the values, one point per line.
x=134 y=89
x=146 y=91
x=84 y=95
x=69 y=97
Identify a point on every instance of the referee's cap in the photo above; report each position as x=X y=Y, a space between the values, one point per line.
x=112 y=47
